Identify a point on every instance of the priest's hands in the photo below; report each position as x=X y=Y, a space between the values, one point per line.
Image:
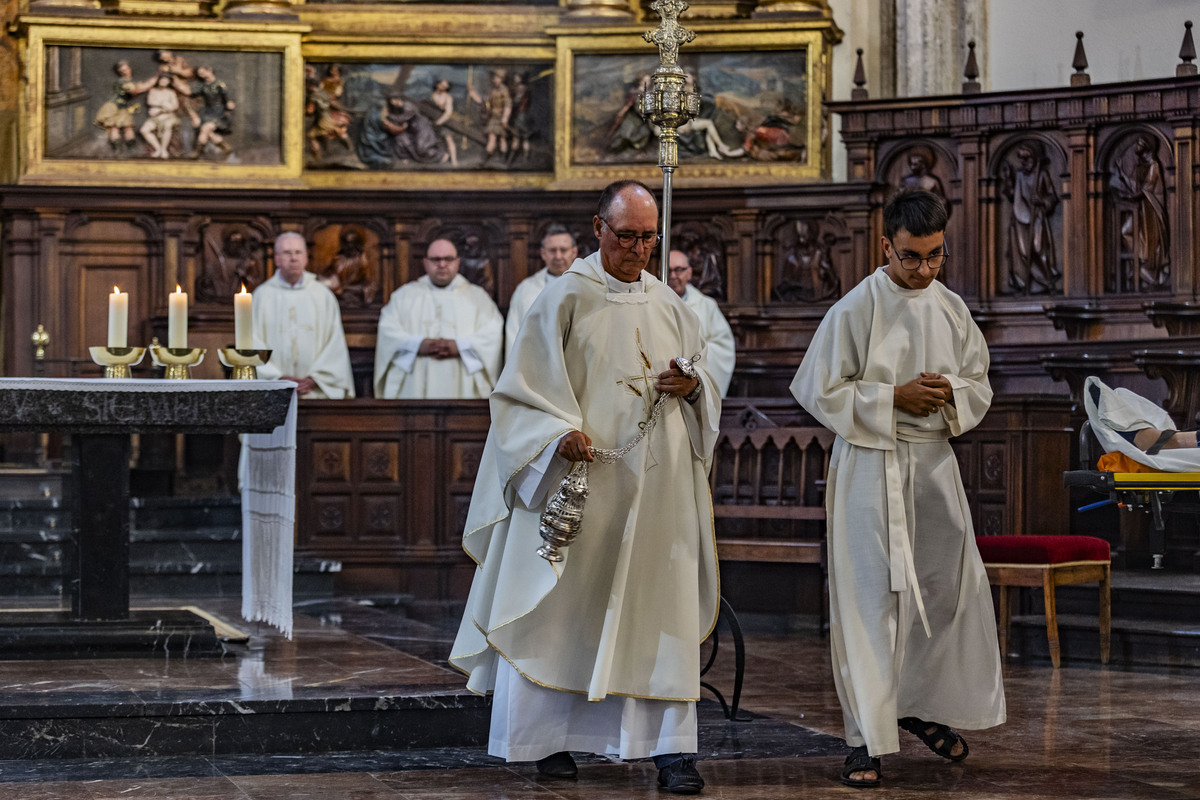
x=574 y=447
x=303 y=385
x=675 y=383
x=924 y=395
x=438 y=348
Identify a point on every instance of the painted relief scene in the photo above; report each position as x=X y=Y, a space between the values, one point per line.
x=402 y=117
x=753 y=108
x=112 y=103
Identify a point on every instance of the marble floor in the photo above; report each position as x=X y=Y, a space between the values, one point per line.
x=1078 y=732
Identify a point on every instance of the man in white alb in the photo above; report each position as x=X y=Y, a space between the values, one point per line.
x=714 y=329
x=896 y=368
x=558 y=251
x=598 y=653
x=298 y=319
x=439 y=336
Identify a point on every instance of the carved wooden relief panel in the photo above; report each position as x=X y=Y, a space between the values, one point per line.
x=347 y=258
x=1029 y=222
x=1137 y=238
x=229 y=255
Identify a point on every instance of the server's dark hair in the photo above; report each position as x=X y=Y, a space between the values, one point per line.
x=919 y=212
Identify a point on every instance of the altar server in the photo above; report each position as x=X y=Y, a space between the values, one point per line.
x=439 y=336
x=895 y=368
x=298 y=319
x=714 y=328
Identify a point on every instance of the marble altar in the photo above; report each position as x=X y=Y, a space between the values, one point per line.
x=100 y=415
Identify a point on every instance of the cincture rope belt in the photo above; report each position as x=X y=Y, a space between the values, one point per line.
x=900 y=556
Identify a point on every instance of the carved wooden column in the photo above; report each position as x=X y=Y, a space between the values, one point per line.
x=1084 y=189
x=972 y=160
x=738 y=291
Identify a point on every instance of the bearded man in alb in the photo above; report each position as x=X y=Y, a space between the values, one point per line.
x=439 y=336
x=895 y=369
x=558 y=252
x=298 y=319
x=714 y=328
x=598 y=653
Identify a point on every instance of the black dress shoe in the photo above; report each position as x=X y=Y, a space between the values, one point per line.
x=558 y=765
x=681 y=777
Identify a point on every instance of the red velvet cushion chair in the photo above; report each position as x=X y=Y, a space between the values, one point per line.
x=1047 y=561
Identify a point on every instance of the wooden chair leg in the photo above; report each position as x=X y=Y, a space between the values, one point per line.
x=1105 y=615
x=1051 y=615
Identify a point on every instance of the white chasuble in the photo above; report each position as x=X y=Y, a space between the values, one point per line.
x=717 y=336
x=302 y=326
x=522 y=300
x=911 y=622
x=623 y=615
x=420 y=310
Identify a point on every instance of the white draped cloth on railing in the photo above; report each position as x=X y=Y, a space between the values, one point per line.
x=268 y=522
x=268 y=487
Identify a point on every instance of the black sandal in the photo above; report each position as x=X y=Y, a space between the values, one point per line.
x=860 y=761
x=940 y=740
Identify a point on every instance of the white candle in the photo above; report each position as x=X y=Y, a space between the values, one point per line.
x=177 y=318
x=243 y=320
x=118 y=318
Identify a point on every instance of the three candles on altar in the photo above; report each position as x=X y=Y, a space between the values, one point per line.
x=177 y=319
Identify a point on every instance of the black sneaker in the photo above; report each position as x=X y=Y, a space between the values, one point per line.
x=558 y=765
x=681 y=777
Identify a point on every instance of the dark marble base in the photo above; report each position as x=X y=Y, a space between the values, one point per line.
x=417 y=740
x=56 y=634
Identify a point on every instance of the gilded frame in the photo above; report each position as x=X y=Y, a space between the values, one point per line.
x=241 y=39
x=427 y=54
x=809 y=41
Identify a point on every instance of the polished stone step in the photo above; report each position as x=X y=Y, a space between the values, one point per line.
x=1134 y=642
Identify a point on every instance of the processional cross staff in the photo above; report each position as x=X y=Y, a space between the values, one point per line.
x=669 y=104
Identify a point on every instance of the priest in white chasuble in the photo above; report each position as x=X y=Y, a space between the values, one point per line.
x=714 y=328
x=440 y=336
x=558 y=252
x=298 y=319
x=598 y=653
x=895 y=369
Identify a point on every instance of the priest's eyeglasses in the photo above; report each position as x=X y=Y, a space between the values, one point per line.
x=628 y=240
x=913 y=263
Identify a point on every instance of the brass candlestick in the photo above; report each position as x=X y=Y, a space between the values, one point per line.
x=243 y=362
x=670 y=104
x=178 y=361
x=117 y=360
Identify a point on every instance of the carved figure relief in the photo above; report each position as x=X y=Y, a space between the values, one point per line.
x=1138 y=200
x=231 y=256
x=920 y=161
x=347 y=261
x=1030 y=253
x=806 y=271
x=411 y=116
x=706 y=255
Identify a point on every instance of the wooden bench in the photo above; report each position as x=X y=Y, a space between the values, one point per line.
x=768 y=490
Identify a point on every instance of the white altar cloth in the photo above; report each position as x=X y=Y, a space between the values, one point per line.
x=268 y=493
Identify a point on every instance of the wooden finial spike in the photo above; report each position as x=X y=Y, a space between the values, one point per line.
x=971 y=71
x=859 y=92
x=1080 y=63
x=1187 y=52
